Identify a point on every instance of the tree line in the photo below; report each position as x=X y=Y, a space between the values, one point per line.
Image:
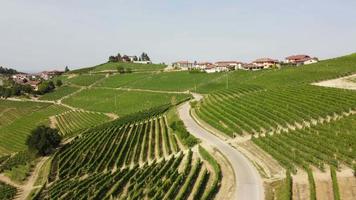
x=7 y=71
x=119 y=58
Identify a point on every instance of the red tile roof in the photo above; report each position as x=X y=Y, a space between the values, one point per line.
x=297 y=57
x=264 y=60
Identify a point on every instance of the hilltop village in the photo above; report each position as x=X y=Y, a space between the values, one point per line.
x=258 y=64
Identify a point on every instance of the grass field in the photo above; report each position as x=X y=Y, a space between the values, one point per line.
x=135 y=67
x=58 y=93
x=167 y=81
x=120 y=102
x=85 y=79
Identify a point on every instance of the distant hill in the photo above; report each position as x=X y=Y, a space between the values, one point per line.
x=7 y=71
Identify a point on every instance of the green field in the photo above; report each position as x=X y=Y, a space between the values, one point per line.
x=58 y=93
x=85 y=79
x=135 y=67
x=166 y=81
x=120 y=102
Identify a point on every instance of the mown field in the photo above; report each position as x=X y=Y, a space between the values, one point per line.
x=119 y=101
x=139 y=158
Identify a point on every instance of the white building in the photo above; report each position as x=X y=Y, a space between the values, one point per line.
x=183 y=65
x=265 y=62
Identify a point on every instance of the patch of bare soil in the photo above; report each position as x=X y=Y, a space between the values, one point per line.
x=113 y=116
x=268 y=167
x=228 y=179
x=343 y=83
x=301 y=186
x=323 y=184
x=52 y=122
x=347 y=184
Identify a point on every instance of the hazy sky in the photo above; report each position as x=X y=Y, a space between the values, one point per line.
x=50 y=34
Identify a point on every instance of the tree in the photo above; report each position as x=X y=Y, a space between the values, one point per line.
x=118 y=57
x=112 y=59
x=144 y=57
x=59 y=83
x=51 y=85
x=121 y=69
x=43 y=140
x=66 y=69
x=128 y=70
x=45 y=87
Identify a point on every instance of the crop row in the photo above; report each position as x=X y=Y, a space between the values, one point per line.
x=333 y=143
x=269 y=110
x=178 y=177
x=74 y=121
x=115 y=147
x=7 y=191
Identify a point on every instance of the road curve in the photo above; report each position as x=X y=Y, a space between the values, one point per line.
x=249 y=183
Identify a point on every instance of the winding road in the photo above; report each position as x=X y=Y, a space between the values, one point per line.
x=249 y=183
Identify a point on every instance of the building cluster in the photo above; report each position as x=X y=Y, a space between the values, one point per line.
x=34 y=79
x=258 y=64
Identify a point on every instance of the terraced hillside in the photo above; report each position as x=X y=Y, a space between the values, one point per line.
x=73 y=121
x=13 y=134
x=58 y=93
x=136 y=160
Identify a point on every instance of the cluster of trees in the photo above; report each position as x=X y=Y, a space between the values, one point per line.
x=43 y=140
x=118 y=58
x=16 y=89
x=4 y=70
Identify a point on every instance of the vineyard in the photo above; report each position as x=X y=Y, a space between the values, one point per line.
x=120 y=102
x=168 y=81
x=13 y=135
x=332 y=144
x=85 y=79
x=7 y=192
x=73 y=121
x=247 y=110
x=136 y=160
x=135 y=67
x=58 y=93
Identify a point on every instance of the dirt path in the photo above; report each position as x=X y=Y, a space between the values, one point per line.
x=343 y=83
x=26 y=188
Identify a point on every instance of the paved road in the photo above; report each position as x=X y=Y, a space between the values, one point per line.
x=249 y=184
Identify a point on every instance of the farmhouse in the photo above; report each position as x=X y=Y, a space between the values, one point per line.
x=183 y=65
x=211 y=68
x=46 y=75
x=251 y=67
x=301 y=60
x=265 y=62
x=230 y=65
x=203 y=65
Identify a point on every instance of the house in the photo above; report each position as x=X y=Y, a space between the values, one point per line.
x=301 y=59
x=142 y=62
x=210 y=68
x=34 y=84
x=46 y=75
x=230 y=65
x=203 y=65
x=251 y=67
x=183 y=65
x=20 y=76
x=265 y=62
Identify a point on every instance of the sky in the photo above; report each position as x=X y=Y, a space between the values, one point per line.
x=51 y=34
